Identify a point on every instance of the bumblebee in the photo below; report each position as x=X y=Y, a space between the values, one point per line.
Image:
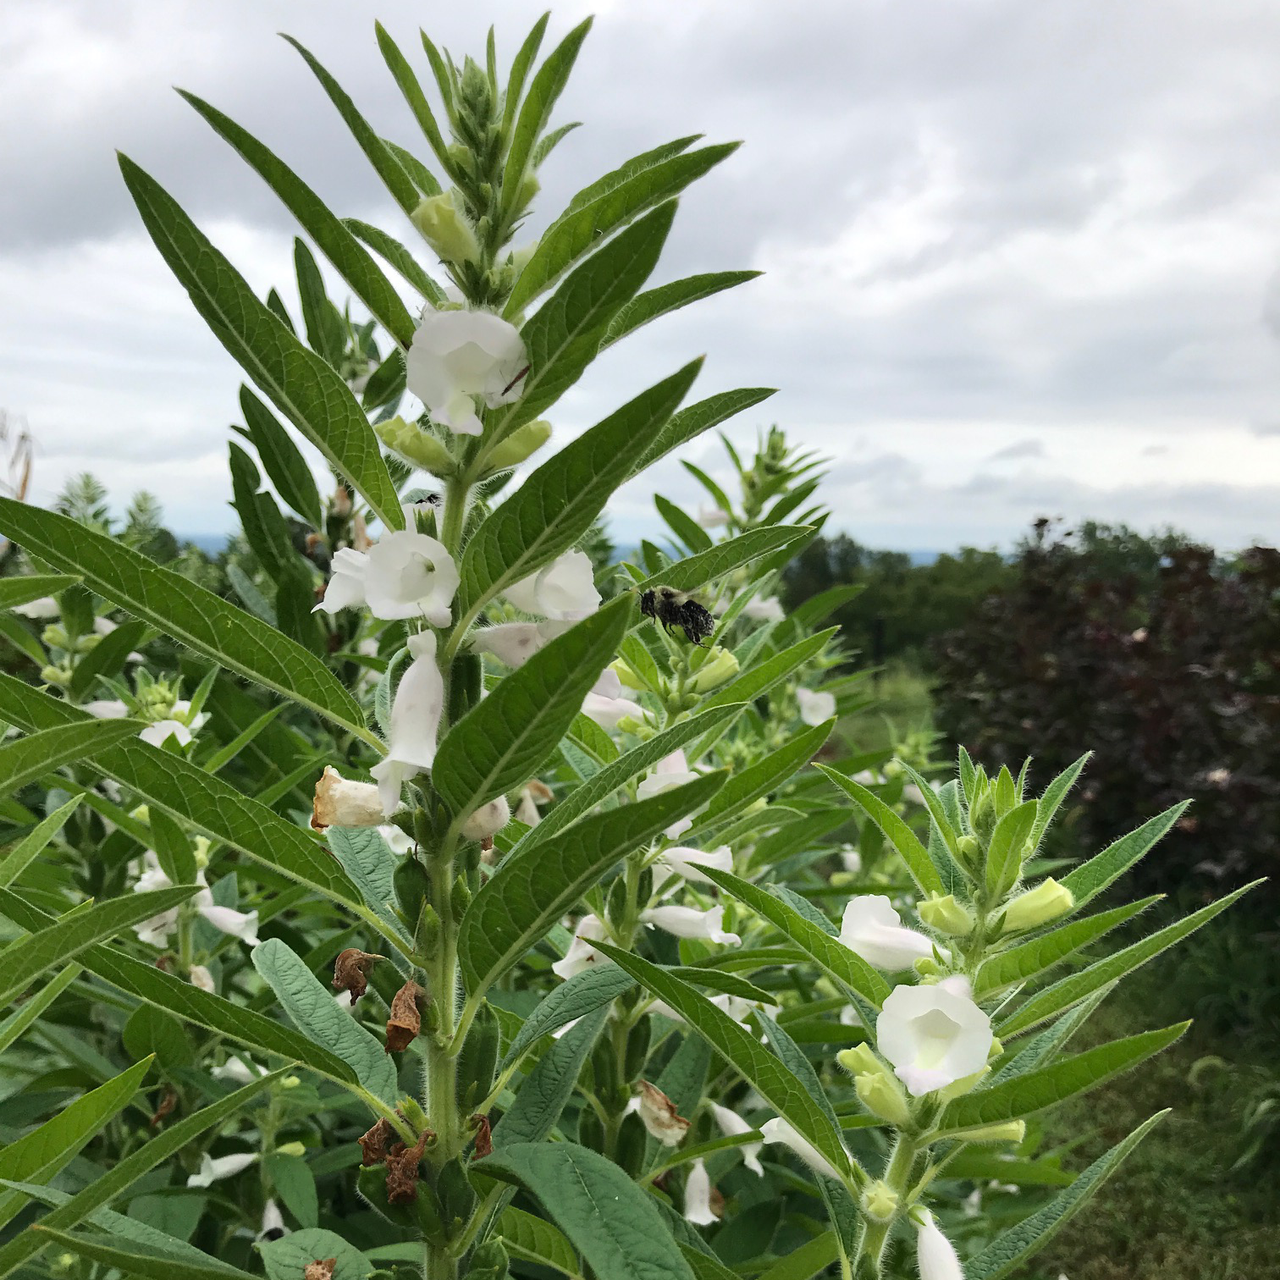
x=673 y=608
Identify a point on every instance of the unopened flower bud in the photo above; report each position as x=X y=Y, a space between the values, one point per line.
x=884 y=1097
x=55 y=637
x=970 y=850
x=719 y=668
x=529 y=187
x=880 y=1202
x=1047 y=901
x=946 y=915
x=860 y=1060
x=626 y=675
x=1010 y=1131
x=59 y=676
x=341 y=803
x=446 y=229
x=487 y=820
x=416 y=446
x=290 y=1082
x=522 y=443
x=292 y=1149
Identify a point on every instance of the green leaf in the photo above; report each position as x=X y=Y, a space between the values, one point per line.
x=690 y=423
x=582 y=229
x=313 y=1010
x=820 y=607
x=1092 y=877
x=757 y=681
x=559 y=501
x=769 y=773
x=16 y=591
x=896 y=831
x=1065 y=992
x=205 y=803
x=541 y=1098
x=828 y=952
x=723 y=558
x=141 y=1260
x=28 y=957
x=667 y=298
x=343 y=250
x=532 y=1240
x=1045 y=1046
x=810 y=1259
x=22 y=1018
x=124 y=1173
x=532 y=889
x=31 y=757
x=1012 y=1248
x=303 y=387
x=288 y=1257
x=294 y=1183
x=109 y=656
x=367 y=858
x=1055 y=793
x=411 y=90
x=602 y=784
x=609 y=1220
x=772 y=1080
x=37 y=1156
x=1008 y=847
x=685 y=527
x=399 y=257
x=584 y=993
x=705 y=1266
x=33 y=844
x=500 y=742
x=562 y=338
x=388 y=168
x=281 y=459
x=1031 y=958
x=1023 y=1095
x=535 y=112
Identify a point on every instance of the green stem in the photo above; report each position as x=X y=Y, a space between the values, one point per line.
x=898 y=1177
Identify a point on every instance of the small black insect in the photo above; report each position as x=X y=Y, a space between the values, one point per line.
x=673 y=608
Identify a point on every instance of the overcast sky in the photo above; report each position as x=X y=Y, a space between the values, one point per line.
x=1022 y=256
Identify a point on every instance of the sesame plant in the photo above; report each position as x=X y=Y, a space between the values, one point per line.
x=450 y=904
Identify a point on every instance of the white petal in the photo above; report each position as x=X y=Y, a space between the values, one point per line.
x=697 y=1196
x=873 y=930
x=934 y=1254
x=42 y=607
x=106 y=709
x=933 y=1036
x=815 y=708
x=581 y=955
x=159 y=733
x=457 y=353
x=212 y=1171
x=607 y=712
x=237 y=924
x=410 y=574
x=200 y=976
x=686 y=861
x=687 y=922
x=345 y=588
x=415 y=721
x=779 y=1130
x=731 y=1124
x=767 y=610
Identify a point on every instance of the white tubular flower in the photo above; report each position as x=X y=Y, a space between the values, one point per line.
x=237 y=1071
x=458 y=355
x=43 y=607
x=873 y=930
x=415 y=722
x=697 y=1196
x=608 y=712
x=686 y=862
x=687 y=922
x=767 y=610
x=778 y=1130
x=815 y=708
x=731 y=1125
x=671 y=771
x=563 y=590
x=581 y=954
x=487 y=820
x=200 y=976
x=712 y=517
x=396 y=839
x=934 y=1253
x=272 y=1222
x=212 y=1171
x=514 y=643
x=658 y=1113
x=236 y=924
x=106 y=709
x=408 y=575
x=343 y=803
x=933 y=1035
x=345 y=588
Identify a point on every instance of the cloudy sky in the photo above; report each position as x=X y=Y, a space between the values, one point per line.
x=1022 y=256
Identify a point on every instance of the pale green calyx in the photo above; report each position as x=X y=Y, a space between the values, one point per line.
x=884 y=1097
x=417 y=447
x=1009 y=1131
x=880 y=1202
x=946 y=915
x=1047 y=901
x=719 y=668
x=446 y=229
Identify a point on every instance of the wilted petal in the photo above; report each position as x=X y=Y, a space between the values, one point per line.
x=659 y=1115
x=340 y=802
x=200 y=976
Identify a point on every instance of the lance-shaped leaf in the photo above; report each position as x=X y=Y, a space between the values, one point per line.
x=16 y=591
x=581 y=230
x=697 y=570
x=124 y=1173
x=187 y=612
x=772 y=1080
x=303 y=387
x=28 y=957
x=37 y=1156
x=690 y=423
x=281 y=459
x=558 y=502
x=531 y=890
x=896 y=831
x=347 y=254
x=399 y=257
x=205 y=803
x=20 y=1021
x=411 y=90
x=1064 y=993
x=609 y=1220
x=605 y=781
x=501 y=741
x=1054 y=794
x=532 y=1240
x=141 y=1260
x=1024 y=1095
x=1008 y=848
x=1092 y=877
x=33 y=844
x=828 y=952
x=584 y=993
x=29 y=758
x=666 y=298
x=1009 y=1250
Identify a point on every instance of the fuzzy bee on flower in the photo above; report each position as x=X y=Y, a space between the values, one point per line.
x=674 y=608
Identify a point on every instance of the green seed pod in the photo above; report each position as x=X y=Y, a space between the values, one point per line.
x=638 y=1048
x=412 y=885
x=465 y=683
x=372 y=1185
x=478 y=1058
x=460 y=899
x=426 y=936
x=457 y=1199
x=430 y=1220
x=590 y=1130
x=488 y=1262
x=633 y=1144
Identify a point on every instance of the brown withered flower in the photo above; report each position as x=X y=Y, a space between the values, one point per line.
x=320 y=1269
x=659 y=1115
x=406 y=1020
x=375 y=1144
x=351 y=971
x=484 y=1136
x=167 y=1104
x=402 y=1170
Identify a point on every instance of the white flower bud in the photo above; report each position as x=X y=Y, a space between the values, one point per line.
x=872 y=929
x=487 y=820
x=934 y=1253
